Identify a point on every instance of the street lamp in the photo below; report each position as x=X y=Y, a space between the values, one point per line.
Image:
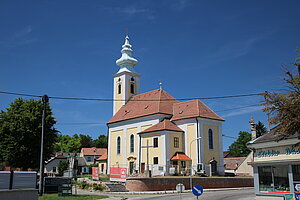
x=191 y=184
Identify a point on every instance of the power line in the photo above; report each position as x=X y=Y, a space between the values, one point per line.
x=21 y=94
x=109 y=100
x=229 y=136
x=80 y=123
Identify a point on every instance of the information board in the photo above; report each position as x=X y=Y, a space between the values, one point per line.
x=118 y=174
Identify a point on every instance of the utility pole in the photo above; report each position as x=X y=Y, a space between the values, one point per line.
x=268 y=112
x=45 y=100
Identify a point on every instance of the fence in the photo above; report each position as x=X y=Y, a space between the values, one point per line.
x=168 y=170
x=17 y=180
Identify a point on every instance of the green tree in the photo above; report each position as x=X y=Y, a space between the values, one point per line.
x=68 y=144
x=62 y=166
x=101 y=142
x=20 y=133
x=260 y=129
x=86 y=141
x=284 y=108
x=238 y=148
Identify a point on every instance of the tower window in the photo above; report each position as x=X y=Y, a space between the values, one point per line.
x=210 y=139
x=118 y=145
x=132 y=79
x=119 y=89
x=132 y=88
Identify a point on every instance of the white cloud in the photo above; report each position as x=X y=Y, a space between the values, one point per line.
x=243 y=111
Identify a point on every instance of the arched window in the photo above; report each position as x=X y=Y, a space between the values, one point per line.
x=119 y=88
x=132 y=88
x=118 y=145
x=132 y=143
x=210 y=139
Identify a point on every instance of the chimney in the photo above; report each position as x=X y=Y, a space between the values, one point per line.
x=253 y=128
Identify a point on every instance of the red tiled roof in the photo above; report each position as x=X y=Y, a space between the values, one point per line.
x=180 y=156
x=193 y=108
x=144 y=104
x=103 y=157
x=165 y=125
x=233 y=163
x=93 y=151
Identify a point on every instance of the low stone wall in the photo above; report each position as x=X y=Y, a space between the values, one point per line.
x=165 y=183
x=25 y=194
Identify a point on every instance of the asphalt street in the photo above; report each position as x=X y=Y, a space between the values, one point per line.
x=238 y=194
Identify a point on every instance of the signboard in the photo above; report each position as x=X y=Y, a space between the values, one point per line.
x=297 y=196
x=118 y=174
x=197 y=190
x=95 y=173
x=55 y=184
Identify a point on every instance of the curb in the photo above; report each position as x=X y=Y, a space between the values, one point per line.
x=174 y=191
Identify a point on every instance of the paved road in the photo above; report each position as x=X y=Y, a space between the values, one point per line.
x=240 y=194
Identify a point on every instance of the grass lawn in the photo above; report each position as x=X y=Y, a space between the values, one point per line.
x=74 y=197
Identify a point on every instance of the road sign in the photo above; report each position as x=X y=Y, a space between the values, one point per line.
x=180 y=187
x=197 y=190
x=297 y=187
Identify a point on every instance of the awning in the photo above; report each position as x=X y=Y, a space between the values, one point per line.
x=180 y=156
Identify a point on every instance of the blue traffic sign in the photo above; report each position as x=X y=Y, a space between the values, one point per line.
x=197 y=190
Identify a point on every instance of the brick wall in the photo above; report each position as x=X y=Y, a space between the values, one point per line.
x=161 y=184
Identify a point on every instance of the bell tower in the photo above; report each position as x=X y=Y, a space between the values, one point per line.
x=126 y=80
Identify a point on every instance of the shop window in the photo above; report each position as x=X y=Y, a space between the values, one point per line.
x=273 y=179
x=155 y=160
x=155 y=142
x=131 y=143
x=176 y=142
x=296 y=172
x=210 y=139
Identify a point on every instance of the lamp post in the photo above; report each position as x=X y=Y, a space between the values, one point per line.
x=191 y=173
x=45 y=100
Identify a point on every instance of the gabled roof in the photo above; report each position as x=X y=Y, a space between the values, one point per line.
x=153 y=102
x=93 y=151
x=193 y=108
x=103 y=157
x=165 y=125
x=233 y=163
x=180 y=156
x=270 y=136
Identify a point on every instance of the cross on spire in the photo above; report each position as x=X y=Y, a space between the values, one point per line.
x=126 y=31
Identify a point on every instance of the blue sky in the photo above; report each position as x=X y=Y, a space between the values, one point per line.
x=197 y=48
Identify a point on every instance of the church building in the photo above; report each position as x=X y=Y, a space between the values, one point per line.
x=153 y=133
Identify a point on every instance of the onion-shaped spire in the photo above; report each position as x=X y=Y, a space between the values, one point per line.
x=126 y=62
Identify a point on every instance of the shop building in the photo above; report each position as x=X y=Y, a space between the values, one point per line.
x=276 y=165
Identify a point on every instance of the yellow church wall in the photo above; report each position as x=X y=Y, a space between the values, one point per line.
x=145 y=127
x=209 y=154
x=190 y=137
x=116 y=159
x=153 y=151
x=173 y=149
x=132 y=157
